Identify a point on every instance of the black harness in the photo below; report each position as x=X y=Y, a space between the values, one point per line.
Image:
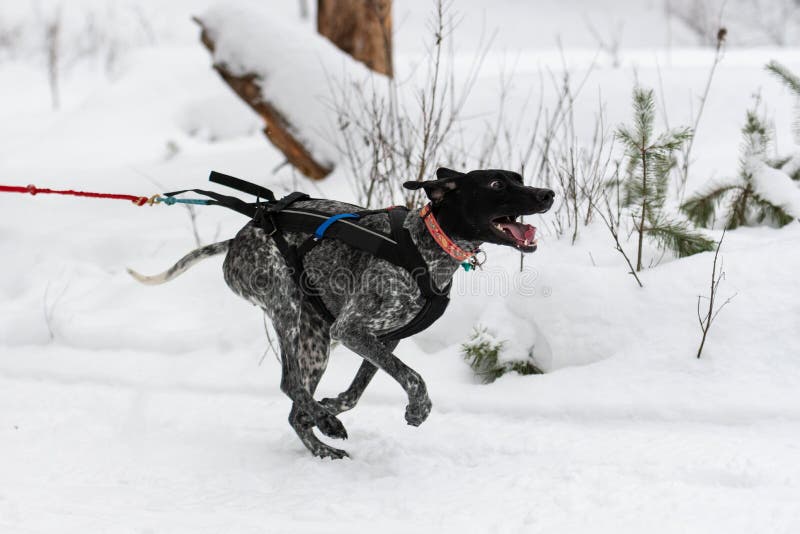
x=278 y=216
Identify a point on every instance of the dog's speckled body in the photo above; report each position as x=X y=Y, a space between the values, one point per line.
x=345 y=278
x=368 y=296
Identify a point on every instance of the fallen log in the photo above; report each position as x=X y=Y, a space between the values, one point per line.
x=278 y=129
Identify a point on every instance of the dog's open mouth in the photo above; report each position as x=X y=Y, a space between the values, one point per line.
x=521 y=235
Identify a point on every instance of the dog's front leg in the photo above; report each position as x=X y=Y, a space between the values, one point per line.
x=347 y=399
x=353 y=335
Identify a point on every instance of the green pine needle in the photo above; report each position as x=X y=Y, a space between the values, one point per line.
x=701 y=207
x=770 y=214
x=677 y=236
x=738 y=208
x=792 y=82
x=789 y=79
x=482 y=353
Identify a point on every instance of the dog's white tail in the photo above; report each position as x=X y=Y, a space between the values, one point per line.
x=183 y=264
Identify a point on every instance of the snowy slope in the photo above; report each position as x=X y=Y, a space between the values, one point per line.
x=126 y=408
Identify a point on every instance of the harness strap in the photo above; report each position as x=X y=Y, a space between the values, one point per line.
x=236 y=204
x=293 y=256
x=277 y=217
x=283 y=203
x=411 y=257
x=320 y=231
x=436 y=299
x=241 y=185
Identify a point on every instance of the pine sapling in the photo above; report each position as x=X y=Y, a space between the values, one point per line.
x=744 y=205
x=789 y=164
x=650 y=160
x=789 y=79
x=482 y=353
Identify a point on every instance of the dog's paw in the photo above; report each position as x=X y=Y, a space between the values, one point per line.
x=417 y=412
x=332 y=427
x=325 y=451
x=337 y=405
x=334 y=406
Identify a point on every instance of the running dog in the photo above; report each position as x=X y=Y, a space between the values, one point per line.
x=367 y=296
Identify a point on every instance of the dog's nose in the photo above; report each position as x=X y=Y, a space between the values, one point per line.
x=545 y=195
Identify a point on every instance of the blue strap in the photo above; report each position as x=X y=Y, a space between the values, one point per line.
x=318 y=233
x=169 y=201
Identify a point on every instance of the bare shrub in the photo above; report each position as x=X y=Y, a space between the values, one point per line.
x=611 y=217
x=707 y=318
x=773 y=22
x=686 y=149
x=581 y=174
x=59 y=36
x=699 y=16
x=385 y=141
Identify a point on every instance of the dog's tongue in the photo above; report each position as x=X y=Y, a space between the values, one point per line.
x=524 y=233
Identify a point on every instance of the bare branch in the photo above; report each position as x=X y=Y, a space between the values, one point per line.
x=612 y=227
x=711 y=313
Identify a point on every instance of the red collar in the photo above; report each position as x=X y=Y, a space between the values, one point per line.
x=438 y=235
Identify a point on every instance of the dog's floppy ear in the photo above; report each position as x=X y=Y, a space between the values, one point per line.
x=444 y=172
x=436 y=189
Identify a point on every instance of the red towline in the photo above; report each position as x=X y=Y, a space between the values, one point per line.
x=33 y=190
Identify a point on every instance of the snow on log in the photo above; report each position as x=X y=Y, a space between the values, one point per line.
x=285 y=73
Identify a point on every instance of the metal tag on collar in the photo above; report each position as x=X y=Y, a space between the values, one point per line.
x=474 y=262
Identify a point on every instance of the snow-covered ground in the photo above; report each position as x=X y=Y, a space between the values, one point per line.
x=125 y=408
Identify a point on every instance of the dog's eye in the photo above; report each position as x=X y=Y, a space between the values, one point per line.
x=497 y=184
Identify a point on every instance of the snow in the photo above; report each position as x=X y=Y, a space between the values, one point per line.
x=126 y=408
x=296 y=70
x=775 y=186
x=792 y=166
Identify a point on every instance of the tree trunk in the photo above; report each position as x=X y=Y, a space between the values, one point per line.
x=362 y=28
x=278 y=129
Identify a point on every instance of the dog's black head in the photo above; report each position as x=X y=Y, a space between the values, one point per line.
x=484 y=206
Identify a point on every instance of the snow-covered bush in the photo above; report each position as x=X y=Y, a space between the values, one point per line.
x=789 y=164
x=483 y=353
x=765 y=191
x=650 y=160
x=751 y=198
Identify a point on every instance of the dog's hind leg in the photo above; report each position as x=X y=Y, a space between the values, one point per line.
x=304 y=355
x=348 y=399
x=304 y=428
